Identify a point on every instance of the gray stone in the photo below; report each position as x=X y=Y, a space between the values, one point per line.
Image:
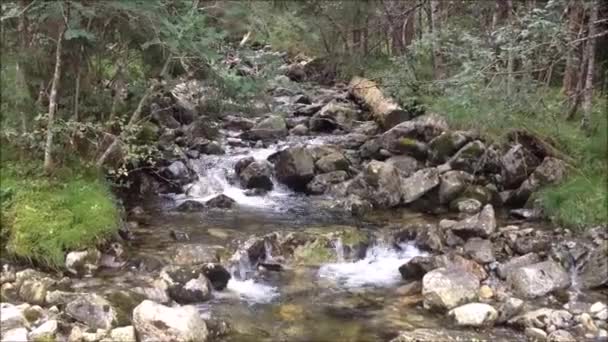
x=469 y=158
x=560 y=336
x=333 y=116
x=509 y=308
x=550 y=171
x=418 y=184
x=444 y=289
x=273 y=122
x=517 y=262
x=186 y=285
x=332 y=162
x=15 y=335
x=221 y=201
x=257 y=175
x=321 y=183
x=481 y=225
x=517 y=164
x=44 y=332
x=10 y=318
x=532 y=319
x=474 y=315
x=295 y=167
x=83 y=263
x=406 y=165
x=92 y=310
x=299 y=129
x=444 y=146
x=535 y=334
x=466 y=205
x=155 y=322
x=452 y=185
x=593 y=272
x=480 y=250
x=379 y=183
x=538 y=279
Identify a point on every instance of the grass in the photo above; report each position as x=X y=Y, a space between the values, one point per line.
x=44 y=217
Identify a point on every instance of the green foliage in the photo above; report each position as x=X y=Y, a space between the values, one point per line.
x=45 y=217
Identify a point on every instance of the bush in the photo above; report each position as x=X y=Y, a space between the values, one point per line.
x=46 y=217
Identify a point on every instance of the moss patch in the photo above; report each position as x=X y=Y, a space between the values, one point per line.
x=315 y=253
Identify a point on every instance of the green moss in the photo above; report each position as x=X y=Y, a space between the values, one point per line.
x=354 y=237
x=407 y=142
x=124 y=302
x=314 y=253
x=48 y=216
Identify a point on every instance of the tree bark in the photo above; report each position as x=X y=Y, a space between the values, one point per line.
x=409 y=30
x=590 y=52
x=571 y=72
x=384 y=110
x=436 y=17
x=48 y=146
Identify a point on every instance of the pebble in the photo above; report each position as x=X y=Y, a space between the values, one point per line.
x=485 y=292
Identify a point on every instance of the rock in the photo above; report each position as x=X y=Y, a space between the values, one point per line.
x=453 y=183
x=455 y=261
x=179 y=235
x=593 y=272
x=443 y=334
x=418 y=184
x=515 y=263
x=406 y=165
x=321 y=183
x=190 y=206
x=538 y=279
x=599 y=311
x=257 y=175
x=178 y=171
x=469 y=158
x=356 y=205
x=509 y=308
x=7 y=275
x=92 y=310
x=444 y=289
x=299 y=129
x=58 y=297
x=10 y=318
x=481 y=225
x=561 y=319
x=480 y=250
x=587 y=322
x=517 y=164
x=560 y=336
x=550 y=171
x=445 y=145
x=83 y=263
x=379 y=183
x=155 y=322
x=295 y=167
x=194 y=254
x=410 y=289
x=530 y=244
x=333 y=116
x=308 y=110
x=240 y=165
x=466 y=205
x=15 y=335
x=417 y=267
x=536 y=334
x=123 y=334
x=186 y=285
x=44 y=332
x=217 y=275
x=485 y=292
x=213 y=148
x=272 y=122
x=221 y=201
x=237 y=122
x=34 y=290
x=474 y=315
x=332 y=162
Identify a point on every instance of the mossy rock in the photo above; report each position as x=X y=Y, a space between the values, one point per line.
x=480 y=193
x=315 y=253
x=124 y=302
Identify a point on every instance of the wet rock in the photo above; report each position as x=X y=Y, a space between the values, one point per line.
x=536 y=318
x=483 y=194
x=410 y=137
x=44 y=332
x=406 y=165
x=83 y=263
x=504 y=269
x=257 y=175
x=273 y=122
x=561 y=319
x=417 y=267
x=308 y=110
x=217 y=275
x=453 y=183
x=418 y=184
x=10 y=318
x=356 y=205
x=15 y=335
x=409 y=289
x=550 y=171
x=263 y=134
x=469 y=158
x=34 y=290
x=213 y=148
x=599 y=311
x=444 y=289
x=194 y=254
x=156 y=322
x=220 y=201
x=299 y=129
x=432 y=335
x=509 y=308
x=178 y=171
x=123 y=334
x=240 y=165
x=92 y=310
x=536 y=334
x=332 y=162
x=517 y=164
x=447 y=144
x=190 y=206
x=7 y=275
x=295 y=167
x=560 y=336
x=371 y=149
x=179 y=235
x=474 y=315
x=379 y=183
x=237 y=122
x=481 y=225
x=593 y=272
x=466 y=205
x=538 y=279
x=456 y=261
x=536 y=244
x=480 y=250
x=333 y=116
x=321 y=183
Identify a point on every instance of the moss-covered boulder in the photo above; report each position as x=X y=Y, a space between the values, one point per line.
x=315 y=253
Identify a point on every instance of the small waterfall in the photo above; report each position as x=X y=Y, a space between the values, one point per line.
x=243 y=283
x=339 y=247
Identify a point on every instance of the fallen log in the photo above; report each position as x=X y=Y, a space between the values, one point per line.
x=384 y=110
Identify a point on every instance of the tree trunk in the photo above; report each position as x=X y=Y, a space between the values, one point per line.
x=384 y=109
x=436 y=17
x=409 y=30
x=590 y=52
x=48 y=146
x=571 y=72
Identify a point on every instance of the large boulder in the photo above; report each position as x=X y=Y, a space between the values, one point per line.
x=333 y=116
x=44 y=332
x=411 y=137
x=156 y=322
x=479 y=250
x=332 y=162
x=406 y=165
x=237 y=122
x=505 y=268
x=186 y=285
x=469 y=158
x=221 y=201
x=257 y=175
x=10 y=318
x=379 y=183
x=323 y=182
x=418 y=184
x=593 y=273
x=218 y=275
x=453 y=183
x=178 y=172
x=517 y=164
x=538 y=279
x=550 y=171
x=92 y=310
x=417 y=267
x=446 y=145
x=474 y=315
x=295 y=167
x=447 y=288
x=480 y=225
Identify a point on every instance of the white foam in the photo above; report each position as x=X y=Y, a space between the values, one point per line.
x=252 y=291
x=380 y=267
